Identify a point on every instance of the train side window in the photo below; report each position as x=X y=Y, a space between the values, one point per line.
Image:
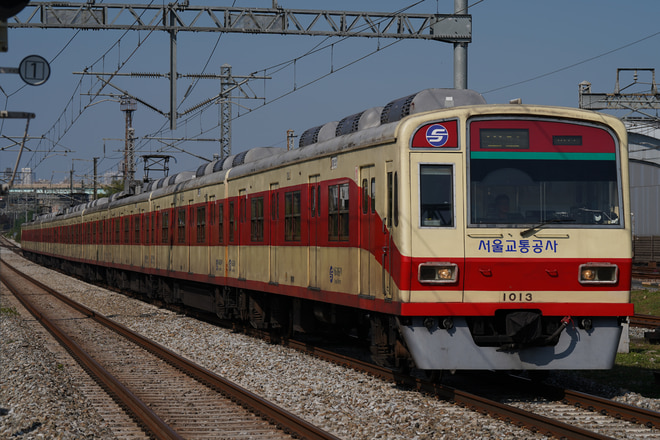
x=338 y=212
x=181 y=225
x=257 y=219
x=436 y=195
x=201 y=224
x=292 y=216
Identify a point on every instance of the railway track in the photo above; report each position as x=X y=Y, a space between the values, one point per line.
x=549 y=418
x=169 y=397
x=556 y=416
x=648 y=321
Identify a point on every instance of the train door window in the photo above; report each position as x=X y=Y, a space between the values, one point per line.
x=257 y=219
x=165 y=227
x=395 y=195
x=117 y=230
x=232 y=222
x=221 y=223
x=436 y=195
x=292 y=216
x=274 y=206
x=318 y=200
x=373 y=195
x=390 y=190
x=312 y=201
x=181 y=225
x=338 y=211
x=127 y=228
x=365 y=196
x=201 y=224
x=136 y=222
x=147 y=228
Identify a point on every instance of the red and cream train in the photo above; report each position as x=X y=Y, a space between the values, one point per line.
x=448 y=233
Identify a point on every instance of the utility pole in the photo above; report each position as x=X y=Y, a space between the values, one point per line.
x=96 y=185
x=460 y=51
x=128 y=105
x=225 y=110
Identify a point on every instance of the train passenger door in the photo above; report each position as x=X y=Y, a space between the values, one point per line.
x=370 y=277
x=242 y=255
x=390 y=220
x=273 y=233
x=314 y=259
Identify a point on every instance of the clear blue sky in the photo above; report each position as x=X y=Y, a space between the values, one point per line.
x=538 y=51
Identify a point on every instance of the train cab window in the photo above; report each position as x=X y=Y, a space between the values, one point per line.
x=292 y=216
x=338 y=212
x=556 y=174
x=257 y=219
x=181 y=225
x=436 y=195
x=201 y=224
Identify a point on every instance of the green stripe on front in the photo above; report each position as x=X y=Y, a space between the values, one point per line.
x=540 y=155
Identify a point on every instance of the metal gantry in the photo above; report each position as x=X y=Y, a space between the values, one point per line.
x=622 y=99
x=183 y=17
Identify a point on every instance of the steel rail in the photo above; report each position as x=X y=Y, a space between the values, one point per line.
x=507 y=413
x=289 y=422
x=645 y=321
x=150 y=421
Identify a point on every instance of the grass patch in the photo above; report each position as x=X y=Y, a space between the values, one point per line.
x=9 y=311
x=647 y=301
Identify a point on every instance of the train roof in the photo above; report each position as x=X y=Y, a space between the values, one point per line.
x=370 y=126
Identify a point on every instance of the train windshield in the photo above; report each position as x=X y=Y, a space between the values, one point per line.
x=523 y=173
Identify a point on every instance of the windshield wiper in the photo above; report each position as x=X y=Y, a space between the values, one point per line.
x=528 y=232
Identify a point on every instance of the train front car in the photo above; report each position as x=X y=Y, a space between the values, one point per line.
x=520 y=243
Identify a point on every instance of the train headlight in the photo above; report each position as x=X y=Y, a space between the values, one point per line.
x=438 y=273
x=599 y=273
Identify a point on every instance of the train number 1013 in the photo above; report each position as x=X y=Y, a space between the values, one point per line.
x=517 y=297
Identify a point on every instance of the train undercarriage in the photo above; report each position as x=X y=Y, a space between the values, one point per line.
x=283 y=316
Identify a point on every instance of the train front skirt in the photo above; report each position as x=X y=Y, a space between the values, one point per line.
x=436 y=348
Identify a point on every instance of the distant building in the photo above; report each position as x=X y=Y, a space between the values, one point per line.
x=27 y=176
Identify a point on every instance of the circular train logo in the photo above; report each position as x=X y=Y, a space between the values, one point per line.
x=437 y=135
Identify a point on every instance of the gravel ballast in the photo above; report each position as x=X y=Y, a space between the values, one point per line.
x=40 y=398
